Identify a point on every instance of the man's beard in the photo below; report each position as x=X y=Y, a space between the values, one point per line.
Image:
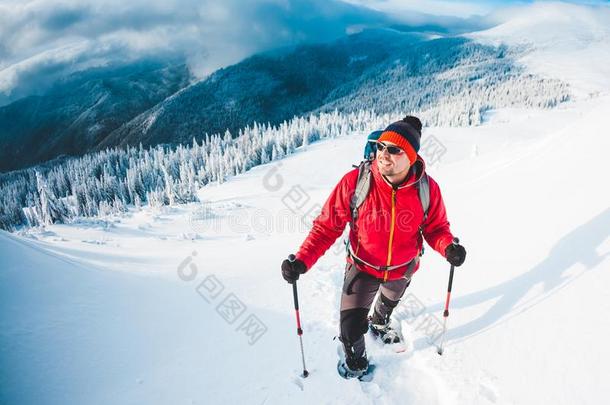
x=391 y=169
x=387 y=170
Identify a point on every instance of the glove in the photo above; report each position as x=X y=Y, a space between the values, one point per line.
x=292 y=270
x=455 y=254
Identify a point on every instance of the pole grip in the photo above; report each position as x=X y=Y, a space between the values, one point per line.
x=455 y=242
x=296 y=308
x=295 y=295
x=450 y=279
x=446 y=313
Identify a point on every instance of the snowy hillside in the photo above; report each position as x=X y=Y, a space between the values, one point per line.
x=79 y=111
x=112 y=310
x=449 y=81
x=185 y=304
x=561 y=40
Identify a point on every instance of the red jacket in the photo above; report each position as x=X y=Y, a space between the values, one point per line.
x=386 y=232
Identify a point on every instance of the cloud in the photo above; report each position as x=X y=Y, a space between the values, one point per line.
x=449 y=8
x=415 y=10
x=42 y=40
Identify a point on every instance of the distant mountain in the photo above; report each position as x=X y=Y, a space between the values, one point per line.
x=446 y=80
x=385 y=70
x=81 y=110
x=268 y=87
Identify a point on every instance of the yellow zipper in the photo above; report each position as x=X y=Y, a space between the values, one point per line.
x=385 y=276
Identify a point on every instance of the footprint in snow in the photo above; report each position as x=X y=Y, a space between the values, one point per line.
x=297 y=381
x=488 y=392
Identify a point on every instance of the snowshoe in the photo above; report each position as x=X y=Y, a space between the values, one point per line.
x=385 y=333
x=365 y=374
x=355 y=365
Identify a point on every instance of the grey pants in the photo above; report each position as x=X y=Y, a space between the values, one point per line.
x=359 y=291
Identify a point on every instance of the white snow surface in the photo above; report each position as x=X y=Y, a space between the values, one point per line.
x=129 y=309
x=96 y=311
x=562 y=40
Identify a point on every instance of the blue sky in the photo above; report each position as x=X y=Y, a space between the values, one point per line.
x=41 y=40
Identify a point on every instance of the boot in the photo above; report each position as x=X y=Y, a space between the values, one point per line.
x=356 y=362
x=379 y=322
x=386 y=333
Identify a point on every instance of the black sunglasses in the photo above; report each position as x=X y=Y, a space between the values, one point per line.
x=392 y=150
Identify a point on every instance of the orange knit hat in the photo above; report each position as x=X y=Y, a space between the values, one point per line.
x=405 y=134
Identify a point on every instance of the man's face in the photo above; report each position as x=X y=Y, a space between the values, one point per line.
x=392 y=164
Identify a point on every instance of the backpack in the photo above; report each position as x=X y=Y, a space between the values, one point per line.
x=369 y=149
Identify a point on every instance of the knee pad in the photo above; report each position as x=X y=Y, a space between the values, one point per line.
x=354 y=324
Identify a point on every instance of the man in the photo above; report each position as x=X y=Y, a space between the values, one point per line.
x=385 y=239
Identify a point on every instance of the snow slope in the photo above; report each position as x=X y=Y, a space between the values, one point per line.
x=561 y=40
x=133 y=309
x=110 y=311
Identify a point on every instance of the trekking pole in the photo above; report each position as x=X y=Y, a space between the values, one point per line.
x=456 y=241
x=295 y=295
